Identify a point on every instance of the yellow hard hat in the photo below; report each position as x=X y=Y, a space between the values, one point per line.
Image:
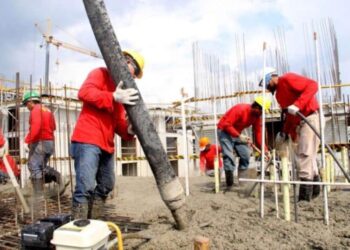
x=203 y=142
x=265 y=104
x=138 y=59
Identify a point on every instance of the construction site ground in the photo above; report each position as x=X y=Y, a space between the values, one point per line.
x=231 y=221
x=228 y=220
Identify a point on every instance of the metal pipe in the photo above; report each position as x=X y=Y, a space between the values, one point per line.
x=184 y=138
x=263 y=137
x=322 y=124
x=217 y=158
x=47 y=57
x=297 y=182
x=168 y=183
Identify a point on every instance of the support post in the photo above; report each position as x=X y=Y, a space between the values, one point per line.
x=217 y=158
x=328 y=171
x=184 y=138
x=345 y=160
x=285 y=188
x=274 y=177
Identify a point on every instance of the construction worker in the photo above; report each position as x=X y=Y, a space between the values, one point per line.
x=296 y=93
x=230 y=128
x=208 y=153
x=3 y=171
x=92 y=148
x=39 y=142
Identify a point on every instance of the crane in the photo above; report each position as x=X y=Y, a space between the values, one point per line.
x=50 y=39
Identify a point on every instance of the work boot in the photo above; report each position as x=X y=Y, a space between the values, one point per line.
x=97 y=208
x=229 y=180
x=53 y=175
x=316 y=189
x=37 y=200
x=80 y=211
x=305 y=191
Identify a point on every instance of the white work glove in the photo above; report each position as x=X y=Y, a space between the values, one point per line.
x=4 y=149
x=125 y=96
x=130 y=130
x=281 y=137
x=267 y=156
x=26 y=147
x=281 y=142
x=244 y=138
x=292 y=109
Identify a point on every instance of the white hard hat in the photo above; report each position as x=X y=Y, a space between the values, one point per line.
x=267 y=73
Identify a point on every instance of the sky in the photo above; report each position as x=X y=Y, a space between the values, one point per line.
x=163 y=31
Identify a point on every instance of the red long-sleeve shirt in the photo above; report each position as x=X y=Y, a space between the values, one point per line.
x=207 y=158
x=41 y=124
x=100 y=116
x=12 y=164
x=238 y=118
x=300 y=91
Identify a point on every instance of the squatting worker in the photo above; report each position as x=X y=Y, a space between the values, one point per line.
x=230 y=128
x=296 y=93
x=208 y=153
x=92 y=148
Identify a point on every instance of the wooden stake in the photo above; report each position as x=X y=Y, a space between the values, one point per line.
x=201 y=243
x=285 y=188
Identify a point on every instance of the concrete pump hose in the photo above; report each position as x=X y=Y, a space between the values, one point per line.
x=327 y=146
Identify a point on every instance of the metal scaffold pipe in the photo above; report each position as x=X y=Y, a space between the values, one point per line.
x=263 y=138
x=322 y=123
x=168 y=183
x=184 y=138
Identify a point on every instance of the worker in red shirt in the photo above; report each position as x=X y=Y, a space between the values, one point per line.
x=230 y=128
x=296 y=93
x=92 y=148
x=3 y=151
x=208 y=153
x=40 y=143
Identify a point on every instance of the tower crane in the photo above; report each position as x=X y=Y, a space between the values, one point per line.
x=50 y=39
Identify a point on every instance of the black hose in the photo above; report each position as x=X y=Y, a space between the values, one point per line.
x=327 y=146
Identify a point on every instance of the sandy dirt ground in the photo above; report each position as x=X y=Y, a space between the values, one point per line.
x=231 y=221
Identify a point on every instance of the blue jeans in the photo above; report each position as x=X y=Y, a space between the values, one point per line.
x=228 y=144
x=39 y=154
x=94 y=172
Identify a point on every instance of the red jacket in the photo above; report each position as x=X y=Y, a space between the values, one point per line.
x=12 y=164
x=207 y=158
x=238 y=118
x=41 y=125
x=100 y=116
x=300 y=91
